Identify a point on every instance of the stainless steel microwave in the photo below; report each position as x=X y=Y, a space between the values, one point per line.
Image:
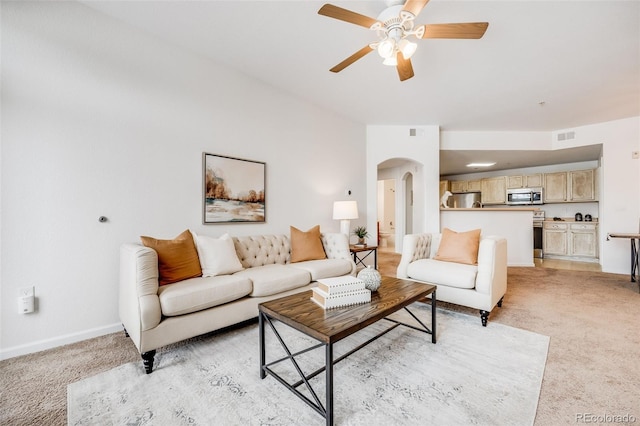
x=524 y=196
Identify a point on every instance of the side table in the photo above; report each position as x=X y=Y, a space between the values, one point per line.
x=359 y=258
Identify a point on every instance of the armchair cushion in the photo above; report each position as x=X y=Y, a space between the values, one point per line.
x=459 y=247
x=443 y=273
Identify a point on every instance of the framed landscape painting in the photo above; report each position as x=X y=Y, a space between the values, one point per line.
x=234 y=190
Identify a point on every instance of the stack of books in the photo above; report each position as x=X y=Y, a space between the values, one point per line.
x=340 y=291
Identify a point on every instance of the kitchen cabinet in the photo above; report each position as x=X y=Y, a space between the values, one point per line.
x=582 y=185
x=524 y=181
x=514 y=182
x=573 y=186
x=555 y=238
x=555 y=187
x=466 y=186
x=533 y=181
x=494 y=190
x=458 y=186
x=444 y=186
x=583 y=240
x=572 y=240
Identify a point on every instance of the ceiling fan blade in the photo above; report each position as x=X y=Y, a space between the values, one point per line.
x=405 y=69
x=346 y=15
x=473 y=30
x=351 y=59
x=415 y=6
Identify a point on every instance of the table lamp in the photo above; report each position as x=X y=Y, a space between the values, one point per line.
x=344 y=211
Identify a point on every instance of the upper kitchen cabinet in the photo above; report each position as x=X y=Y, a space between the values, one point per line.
x=573 y=186
x=445 y=186
x=555 y=187
x=533 y=181
x=466 y=186
x=582 y=185
x=494 y=190
x=524 y=181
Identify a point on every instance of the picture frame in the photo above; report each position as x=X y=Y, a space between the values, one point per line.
x=233 y=190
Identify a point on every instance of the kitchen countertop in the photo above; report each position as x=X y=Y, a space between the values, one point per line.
x=570 y=219
x=492 y=209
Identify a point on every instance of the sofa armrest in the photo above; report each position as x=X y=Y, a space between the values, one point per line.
x=336 y=246
x=139 y=305
x=492 y=267
x=414 y=247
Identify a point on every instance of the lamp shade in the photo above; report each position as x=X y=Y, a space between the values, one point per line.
x=345 y=210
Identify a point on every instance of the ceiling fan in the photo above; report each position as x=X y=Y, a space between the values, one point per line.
x=393 y=27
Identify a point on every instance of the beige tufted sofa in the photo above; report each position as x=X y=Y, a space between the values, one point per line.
x=155 y=316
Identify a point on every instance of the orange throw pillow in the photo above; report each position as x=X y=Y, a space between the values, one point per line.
x=459 y=247
x=306 y=245
x=177 y=258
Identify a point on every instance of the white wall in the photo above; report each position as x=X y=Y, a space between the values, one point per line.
x=421 y=155
x=100 y=119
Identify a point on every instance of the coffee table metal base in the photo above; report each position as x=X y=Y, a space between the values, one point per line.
x=314 y=402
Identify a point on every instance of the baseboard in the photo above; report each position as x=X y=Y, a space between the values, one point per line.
x=54 y=342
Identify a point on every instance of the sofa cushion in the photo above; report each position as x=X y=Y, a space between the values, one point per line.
x=325 y=268
x=217 y=255
x=196 y=294
x=272 y=279
x=459 y=247
x=306 y=245
x=443 y=273
x=177 y=258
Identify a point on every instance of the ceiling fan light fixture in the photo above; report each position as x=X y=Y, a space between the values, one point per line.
x=386 y=48
x=407 y=48
x=390 y=61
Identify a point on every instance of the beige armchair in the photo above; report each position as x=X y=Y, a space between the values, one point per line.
x=480 y=286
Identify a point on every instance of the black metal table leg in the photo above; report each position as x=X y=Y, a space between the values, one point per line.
x=433 y=316
x=329 y=384
x=263 y=374
x=634 y=258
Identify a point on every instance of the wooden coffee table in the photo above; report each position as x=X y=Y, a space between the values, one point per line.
x=332 y=325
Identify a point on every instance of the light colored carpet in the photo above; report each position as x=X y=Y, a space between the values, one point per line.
x=473 y=375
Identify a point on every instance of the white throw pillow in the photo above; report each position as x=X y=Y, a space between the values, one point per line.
x=217 y=255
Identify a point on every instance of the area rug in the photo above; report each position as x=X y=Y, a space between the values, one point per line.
x=472 y=375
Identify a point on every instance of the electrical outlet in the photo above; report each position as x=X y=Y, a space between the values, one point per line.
x=26 y=300
x=26 y=291
x=635 y=154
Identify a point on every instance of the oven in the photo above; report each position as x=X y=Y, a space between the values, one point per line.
x=538 y=219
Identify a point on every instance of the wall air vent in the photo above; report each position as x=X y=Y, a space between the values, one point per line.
x=412 y=132
x=566 y=136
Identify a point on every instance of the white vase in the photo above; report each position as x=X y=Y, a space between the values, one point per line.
x=371 y=278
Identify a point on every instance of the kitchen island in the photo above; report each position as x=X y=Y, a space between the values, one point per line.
x=513 y=223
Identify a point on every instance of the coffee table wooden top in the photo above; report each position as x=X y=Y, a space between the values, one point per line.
x=332 y=325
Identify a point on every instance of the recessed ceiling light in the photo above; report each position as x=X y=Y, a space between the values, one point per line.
x=481 y=164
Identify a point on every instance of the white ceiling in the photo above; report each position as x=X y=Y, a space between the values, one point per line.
x=581 y=58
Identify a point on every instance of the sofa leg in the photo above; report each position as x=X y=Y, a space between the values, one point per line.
x=500 y=302
x=484 y=316
x=147 y=360
x=126 y=333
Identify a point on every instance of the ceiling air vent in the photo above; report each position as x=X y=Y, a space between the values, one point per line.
x=566 y=136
